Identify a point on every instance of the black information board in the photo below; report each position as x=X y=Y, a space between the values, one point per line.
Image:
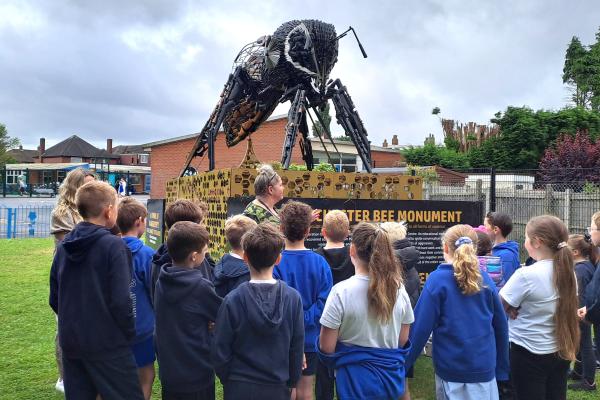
x=426 y=220
x=155 y=227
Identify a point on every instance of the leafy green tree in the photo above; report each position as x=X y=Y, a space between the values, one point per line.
x=576 y=72
x=6 y=143
x=317 y=128
x=430 y=154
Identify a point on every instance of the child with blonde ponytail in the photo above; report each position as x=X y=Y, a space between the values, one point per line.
x=366 y=321
x=542 y=302
x=460 y=305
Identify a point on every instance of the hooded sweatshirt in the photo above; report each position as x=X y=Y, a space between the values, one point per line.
x=184 y=304
x=509 y=254
x=584 y=271
x=339 y=261
x=259 y=337
x=141 y=284
x=162 y=257
x=89 y=290
x=470 y=333
x=230 y=272
x=408 y=255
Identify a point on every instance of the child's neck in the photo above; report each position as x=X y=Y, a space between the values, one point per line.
x=131 y=234
x=98 y=221
x=239 y=253
x=299 y=245
x=334 y=245
x=264 y=275
x=580 y=259
x=499 y=239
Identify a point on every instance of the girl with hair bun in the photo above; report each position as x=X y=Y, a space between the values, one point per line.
x=460 y=305
x=541 y=300
x=366 y=320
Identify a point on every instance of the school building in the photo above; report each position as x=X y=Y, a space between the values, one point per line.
x=169 y=155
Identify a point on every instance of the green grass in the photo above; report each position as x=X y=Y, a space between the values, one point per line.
x=27 y=329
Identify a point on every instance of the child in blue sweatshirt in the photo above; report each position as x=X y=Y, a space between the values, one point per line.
x=499 y=225
x=185 y=304
x=259 y=336
x=89 y=291
x=365 y=324
x=231 y=270
x=132 y=224
x=461 y=306
x=310 y=275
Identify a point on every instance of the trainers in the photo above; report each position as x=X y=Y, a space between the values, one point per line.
x=583 y=386
x=60 y=386
x=574 y=376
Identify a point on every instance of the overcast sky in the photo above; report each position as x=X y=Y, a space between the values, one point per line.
x=139 y=71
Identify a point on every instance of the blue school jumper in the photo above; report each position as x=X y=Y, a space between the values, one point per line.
x=470 y=333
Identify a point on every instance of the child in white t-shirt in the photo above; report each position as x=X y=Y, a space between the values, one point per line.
x=371 y=312
x=535 y=298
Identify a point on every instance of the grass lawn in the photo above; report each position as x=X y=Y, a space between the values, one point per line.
x=27 y=328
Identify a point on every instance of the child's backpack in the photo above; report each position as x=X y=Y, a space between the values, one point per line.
x=493 y=266
x=592 y=299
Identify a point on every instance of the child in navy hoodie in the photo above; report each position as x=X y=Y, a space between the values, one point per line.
x=462 y=308
x=309 y=274
x=89 y=291
x=231 y=271
x=499 y=225
x=181 y=210
x=259 y=336
x=185 y=304
x=132 y=224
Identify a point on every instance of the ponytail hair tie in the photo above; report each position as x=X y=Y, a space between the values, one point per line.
x=587 y=237
x=561 y=245
x=462 y=240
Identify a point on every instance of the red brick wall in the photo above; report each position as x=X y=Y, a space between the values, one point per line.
x=384 y=159
x=167 y=160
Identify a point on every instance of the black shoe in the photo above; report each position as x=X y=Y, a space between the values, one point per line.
x=583 y=386
x=574 y=376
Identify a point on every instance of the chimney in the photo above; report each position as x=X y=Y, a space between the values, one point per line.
x=395 y=140
x=20 y=147
x=385 y=144
x=109 y=145
x=42 y=148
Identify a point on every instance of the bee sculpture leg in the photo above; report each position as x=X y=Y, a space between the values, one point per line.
x=348 y=118
x=297 y=122
x=231 y=95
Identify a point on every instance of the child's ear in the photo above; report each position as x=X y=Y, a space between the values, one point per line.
x=278 y=259
x=245 y=257
x=352 y=250
x=445 y=248
x=323 y=233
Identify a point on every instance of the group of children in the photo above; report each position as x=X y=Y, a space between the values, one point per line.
x=271 y=314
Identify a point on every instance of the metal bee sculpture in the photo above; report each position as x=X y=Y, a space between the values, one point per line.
x=291 y=65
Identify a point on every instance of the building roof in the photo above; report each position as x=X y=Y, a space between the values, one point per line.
x=21 y=155
x=128 y=149
x=75 y=146
x=147 y=146
x=46 y=166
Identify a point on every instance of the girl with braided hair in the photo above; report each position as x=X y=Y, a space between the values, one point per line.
x=460 y=305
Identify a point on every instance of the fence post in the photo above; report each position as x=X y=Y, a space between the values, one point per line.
x=9 y=213
x=4 y=177
x=492 y=189
x=567 y=209
x=548 y=199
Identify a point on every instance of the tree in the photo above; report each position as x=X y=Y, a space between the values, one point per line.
x=572 y=159
x=430 y=154
x=317 y=128
x=576 y=72
x=6 y=143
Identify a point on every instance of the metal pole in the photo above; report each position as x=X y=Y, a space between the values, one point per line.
x=492 y=189
x=128 y=186
x=28 y=182
x=4 y=177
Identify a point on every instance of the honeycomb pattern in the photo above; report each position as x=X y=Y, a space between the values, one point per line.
x=216 y=187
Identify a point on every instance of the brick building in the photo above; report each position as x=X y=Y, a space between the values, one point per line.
x=168 y=156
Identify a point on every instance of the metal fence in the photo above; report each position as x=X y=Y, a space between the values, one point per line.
x=25 y=222
x=523 y=195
